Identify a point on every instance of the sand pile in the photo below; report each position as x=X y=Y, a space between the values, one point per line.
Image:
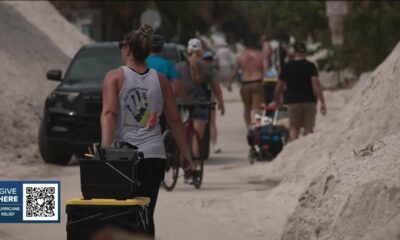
x=354 y=195
x=44 y=16
x=358 y=190
x=26 y=54
x=389 y=232
x=327 y=191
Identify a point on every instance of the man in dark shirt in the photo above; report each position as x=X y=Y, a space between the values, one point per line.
x=299 y=80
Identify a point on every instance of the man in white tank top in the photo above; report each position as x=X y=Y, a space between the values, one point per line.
x=133 y=99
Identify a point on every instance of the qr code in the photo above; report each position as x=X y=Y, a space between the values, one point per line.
x=40 y=202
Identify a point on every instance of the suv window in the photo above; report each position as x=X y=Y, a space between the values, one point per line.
x=92 y=64
x=173 y=53
x=169 y=52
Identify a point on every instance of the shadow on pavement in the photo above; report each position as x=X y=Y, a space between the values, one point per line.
x=223 y=160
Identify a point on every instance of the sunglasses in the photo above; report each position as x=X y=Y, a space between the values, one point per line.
x=121 y=45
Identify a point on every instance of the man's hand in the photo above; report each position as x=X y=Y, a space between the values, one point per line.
x=221 y=108
x=274 y=105
x=323 y=109
x=186 y=160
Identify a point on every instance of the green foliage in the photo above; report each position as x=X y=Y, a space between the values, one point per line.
x=371 y=33
x=277 y=18
x=187 y=16
x=370 y=29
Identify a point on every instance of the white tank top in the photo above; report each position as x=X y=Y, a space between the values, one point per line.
x=140 y=103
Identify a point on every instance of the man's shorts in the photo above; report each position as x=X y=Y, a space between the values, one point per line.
x=252 y=95
x=302 y=115
x=201 y=113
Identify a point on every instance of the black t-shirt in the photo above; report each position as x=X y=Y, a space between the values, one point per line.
x=297 y=76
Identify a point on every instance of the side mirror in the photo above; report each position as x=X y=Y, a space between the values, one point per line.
x=54 y=75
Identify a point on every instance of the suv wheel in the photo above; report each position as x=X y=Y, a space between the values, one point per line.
x=50 y=152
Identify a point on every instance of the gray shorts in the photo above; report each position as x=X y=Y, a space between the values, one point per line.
x=201 y=113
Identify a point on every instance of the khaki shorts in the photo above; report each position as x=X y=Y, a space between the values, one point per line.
x=302 y=115
x=252 y=96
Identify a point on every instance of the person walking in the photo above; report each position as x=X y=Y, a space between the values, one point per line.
x=208 y=57
x=226 y=61
x=134 y=97
x=266 y=52
x=300 y=82
x=165 y=67
x=250 y=63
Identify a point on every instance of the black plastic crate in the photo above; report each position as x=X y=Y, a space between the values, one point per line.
x=111 y=176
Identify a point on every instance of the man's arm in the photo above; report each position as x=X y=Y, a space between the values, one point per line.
x=110 y=106
x=280 y=85
x=235 y=69
x=316 y=85
x=266 y=51
x=218 y=95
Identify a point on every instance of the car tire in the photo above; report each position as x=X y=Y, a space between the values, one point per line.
x=50 y=152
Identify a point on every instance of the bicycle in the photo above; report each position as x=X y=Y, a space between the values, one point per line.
x=173 y=152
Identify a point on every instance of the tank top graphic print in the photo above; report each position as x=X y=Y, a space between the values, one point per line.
x=140 y=105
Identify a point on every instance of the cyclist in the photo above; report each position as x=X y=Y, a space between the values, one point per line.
x=197 y=77
x=165 y=67
x=134 y=96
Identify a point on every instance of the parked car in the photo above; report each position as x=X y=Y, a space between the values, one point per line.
x=71 y=117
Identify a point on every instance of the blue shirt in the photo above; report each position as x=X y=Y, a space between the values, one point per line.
x=162 y=66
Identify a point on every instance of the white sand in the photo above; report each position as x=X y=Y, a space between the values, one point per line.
x=342 y=196
x=316 y=189
x=50 y=22
x=27 y=53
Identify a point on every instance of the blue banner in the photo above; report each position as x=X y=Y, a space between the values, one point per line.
x=30 y=201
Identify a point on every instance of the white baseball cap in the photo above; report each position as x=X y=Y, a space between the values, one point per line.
x=194 y=44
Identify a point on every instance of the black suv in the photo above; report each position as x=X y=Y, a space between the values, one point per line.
x=72 y=111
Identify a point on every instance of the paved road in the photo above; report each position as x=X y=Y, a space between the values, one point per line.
x=212 y=212
x=220 y=210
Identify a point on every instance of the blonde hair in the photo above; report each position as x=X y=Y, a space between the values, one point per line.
x=195 y=58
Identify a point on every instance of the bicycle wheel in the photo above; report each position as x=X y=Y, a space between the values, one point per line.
x=172 y=161
x=198 y=165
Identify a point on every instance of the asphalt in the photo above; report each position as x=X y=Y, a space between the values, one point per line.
x=213 y=212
